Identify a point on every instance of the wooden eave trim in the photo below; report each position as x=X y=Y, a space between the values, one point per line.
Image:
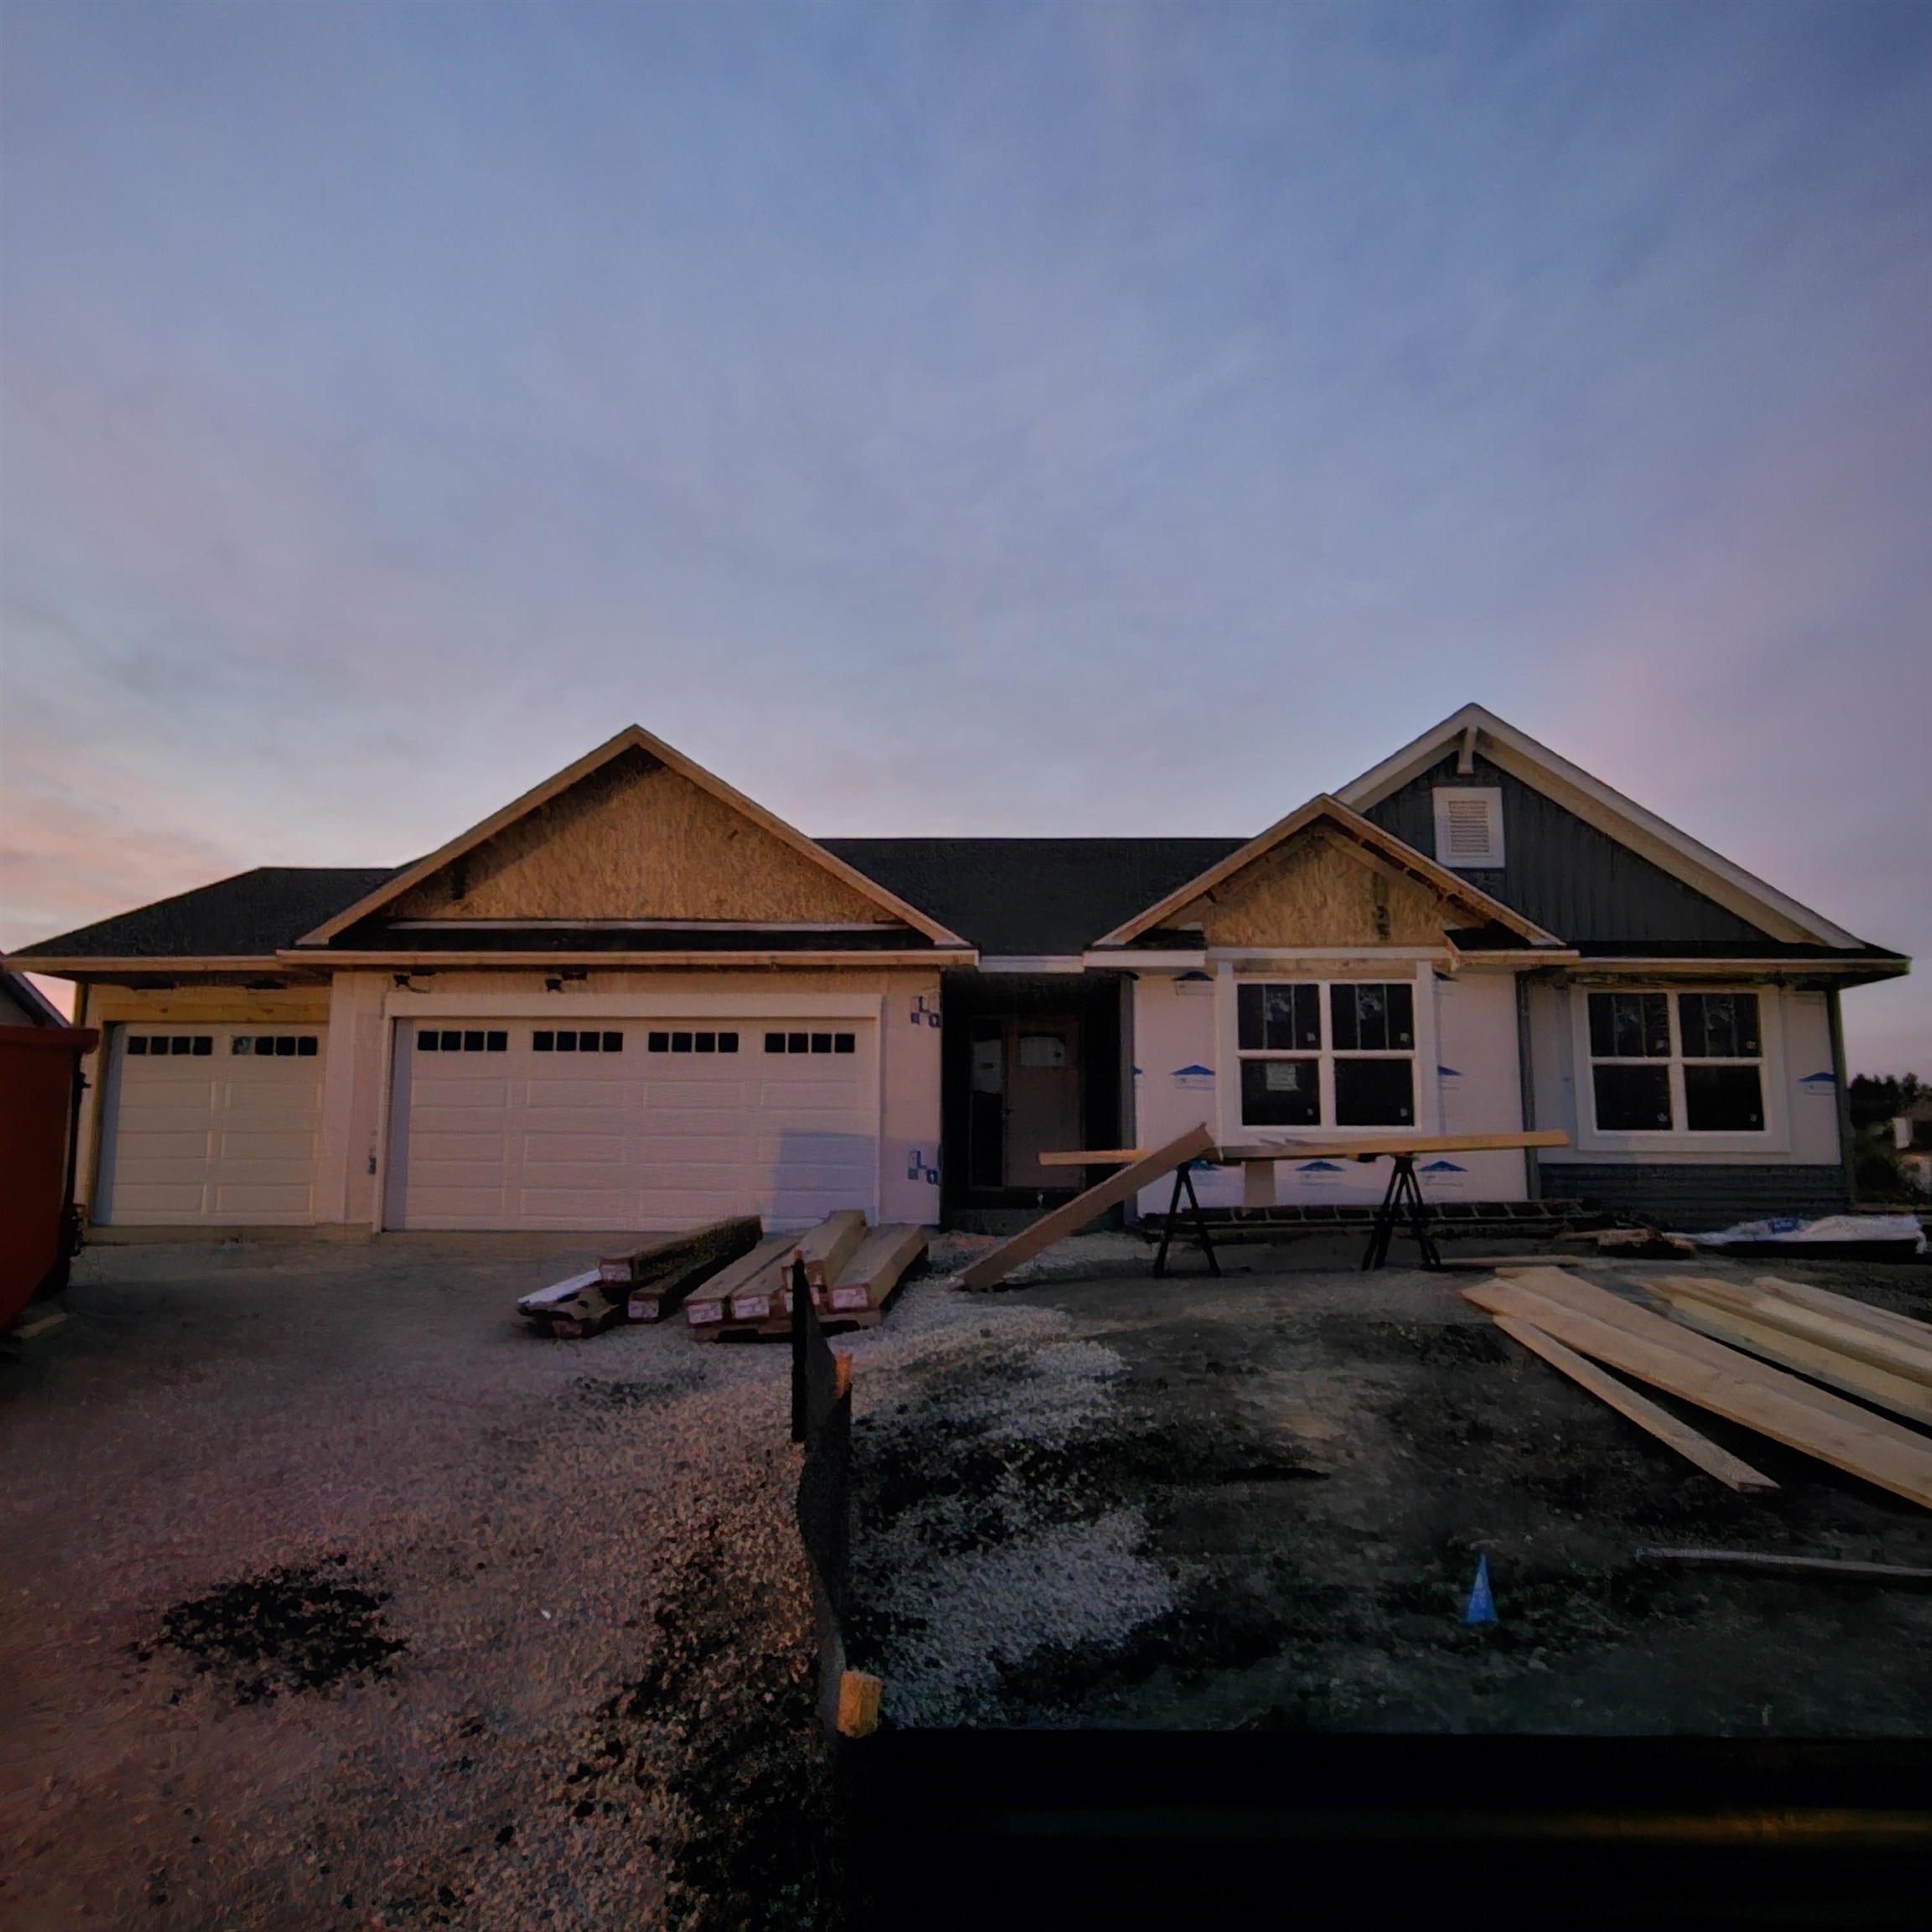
x=1602 y=805
x=1893 y=968
x=1124 y=958
x=934 y=957
x=1362 y=832
x=632 y=736
x=1509 y=960
x=69 y=968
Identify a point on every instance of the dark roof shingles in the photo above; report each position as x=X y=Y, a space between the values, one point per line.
x=1031 y=897
x=245 y=917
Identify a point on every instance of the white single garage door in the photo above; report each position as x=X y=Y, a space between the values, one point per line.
x=645 y=1123
x=215 y=1125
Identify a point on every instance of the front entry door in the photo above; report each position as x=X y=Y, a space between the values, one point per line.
x=1042 y=1100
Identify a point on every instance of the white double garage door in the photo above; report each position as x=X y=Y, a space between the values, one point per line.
x=625 y=1123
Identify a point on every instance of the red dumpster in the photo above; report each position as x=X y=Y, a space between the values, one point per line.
x=39 y=1092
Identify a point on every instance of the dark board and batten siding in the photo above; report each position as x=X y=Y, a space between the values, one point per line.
x=1572 y=879
x=1695 y=1197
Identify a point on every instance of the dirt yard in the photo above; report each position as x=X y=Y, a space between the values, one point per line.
x=336 y=1599
x=1260 y=1502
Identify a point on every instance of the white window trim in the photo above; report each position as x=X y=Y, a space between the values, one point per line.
x=1775 y=1136
x=1426 y=1091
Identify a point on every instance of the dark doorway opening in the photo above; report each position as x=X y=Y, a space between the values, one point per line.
x=1032 y=1065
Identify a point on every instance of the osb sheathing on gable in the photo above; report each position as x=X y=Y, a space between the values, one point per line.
x=637 y=840
x=1305 y=892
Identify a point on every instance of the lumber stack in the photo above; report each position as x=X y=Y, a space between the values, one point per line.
x=1865 y=1351
x=745 y=1292
x=870 y=1278
x=645 y=1284
x=655 y=1278
x=1561 y=1318
x=852 y=1272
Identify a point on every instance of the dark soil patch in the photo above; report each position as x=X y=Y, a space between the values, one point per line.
x=289 y=1629
x=902 y=1469
x=595 y=1393
x=1538 y=1608
x=722 y=1735
x=1224 y=1624
x=1434 y=1345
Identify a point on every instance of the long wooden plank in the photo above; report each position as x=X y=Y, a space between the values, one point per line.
x=1897 y=1357
x=1731 y=1385
x=1862 y=1314
x=1729 y=1470
x=1555 y=1285
x=1230 y=1156
x=1856 y=1378
x=874 y=1271
x=1770 y=1563
x=826 y=1249
x=757 y=1272
x=663 y=1293
x=990 y=1269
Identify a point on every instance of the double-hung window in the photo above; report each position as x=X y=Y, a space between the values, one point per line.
x=1341 y=1053
x=1688 y=1062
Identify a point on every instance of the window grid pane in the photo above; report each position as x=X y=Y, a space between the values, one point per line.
x=1630 y=1025
x=1633 y=1099
x=1280 y=1093
x=1719 y=1025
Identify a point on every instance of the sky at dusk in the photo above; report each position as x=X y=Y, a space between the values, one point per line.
x=962 y=419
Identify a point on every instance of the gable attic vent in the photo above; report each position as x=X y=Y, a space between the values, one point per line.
x=1468 y=827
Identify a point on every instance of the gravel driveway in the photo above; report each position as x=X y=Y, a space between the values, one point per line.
x=337 y=1599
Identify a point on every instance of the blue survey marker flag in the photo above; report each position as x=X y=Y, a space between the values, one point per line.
x=1481 y=1608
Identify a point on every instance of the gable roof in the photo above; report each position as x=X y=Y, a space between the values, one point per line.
x=248 y=917
x=1487 y=911
x=1601 y=805
x=23 y=1004
x=1035 y=898
x=632 y=737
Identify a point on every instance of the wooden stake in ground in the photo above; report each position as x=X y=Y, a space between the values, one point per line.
x=1685 y=1364
x=1713 y=1460
x=992 y=1268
